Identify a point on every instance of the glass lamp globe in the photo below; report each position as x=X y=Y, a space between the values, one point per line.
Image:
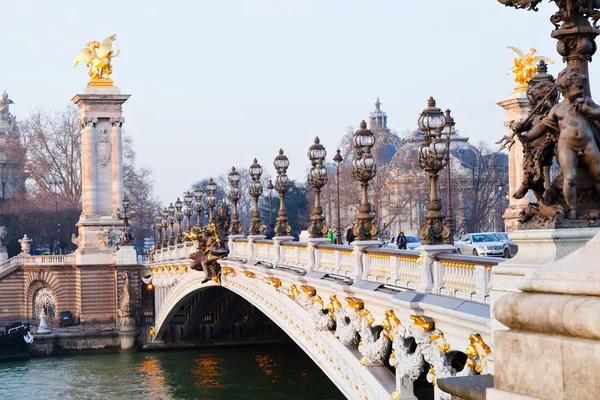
x=211 y=186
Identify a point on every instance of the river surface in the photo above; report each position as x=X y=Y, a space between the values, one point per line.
x=269 y=372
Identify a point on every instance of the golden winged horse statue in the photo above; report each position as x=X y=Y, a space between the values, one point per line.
x=98 y=56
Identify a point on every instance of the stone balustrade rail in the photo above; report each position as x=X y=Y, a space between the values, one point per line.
x=454 y=275
x=26 y=259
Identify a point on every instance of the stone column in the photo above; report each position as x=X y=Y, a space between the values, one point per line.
x=89 y=187
x=517 y=108
x=117 y=163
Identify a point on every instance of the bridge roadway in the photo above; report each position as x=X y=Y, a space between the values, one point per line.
x=348 y=308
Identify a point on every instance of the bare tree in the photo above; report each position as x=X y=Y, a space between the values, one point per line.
x=481 y=200
x=52 y=151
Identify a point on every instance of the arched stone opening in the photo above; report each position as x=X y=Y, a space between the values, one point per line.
x=44 y=296
x=217 y=315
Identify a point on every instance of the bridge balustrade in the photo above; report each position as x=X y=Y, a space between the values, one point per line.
x=455 y=275
x=21 y=260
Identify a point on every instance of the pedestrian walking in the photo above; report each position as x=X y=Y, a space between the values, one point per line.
x=402 y=241
x=350 y=234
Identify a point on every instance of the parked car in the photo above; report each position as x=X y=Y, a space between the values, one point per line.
x=509 y=248
x=66 y=319
x=412 y=242
x=481 y=244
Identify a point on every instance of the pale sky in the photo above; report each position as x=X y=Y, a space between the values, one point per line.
x=217 y=83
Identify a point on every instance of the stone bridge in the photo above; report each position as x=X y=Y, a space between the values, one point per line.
x=359 y=313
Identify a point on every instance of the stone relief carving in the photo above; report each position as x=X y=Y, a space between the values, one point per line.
x=2 y=235
x=104 y=107
x=109 y=238
x=103 y=147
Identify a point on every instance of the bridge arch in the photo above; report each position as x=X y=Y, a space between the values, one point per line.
x=340 y=363
x=38 y=292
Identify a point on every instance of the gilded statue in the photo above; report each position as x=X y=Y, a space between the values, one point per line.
x=97 y=57
x=210 y=249
x=524 y=66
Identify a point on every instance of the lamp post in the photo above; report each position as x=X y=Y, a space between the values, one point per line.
x=449 y=125
x=165 y=224
x=282 y=185
x=234 y=196
x=270 y=189
x=500 y=195
x=55 y=183
x=211 y=201
x=317 y=178
x=171 y=221
x=158 y=227
x=178 y=217
x=198 y=204
x=255 y=190
x=187 y=211
x=126 y=238
x=432 y=158
x=338 y=160
x=363 y=170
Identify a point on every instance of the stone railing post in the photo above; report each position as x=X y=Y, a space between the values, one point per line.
x=359 y=251
x=394 y=266
x=278 y=253
x=253 y=247
x=425 y=264
x=438 y=276
x=312 y=248
x=232 y=245
x=482 y=279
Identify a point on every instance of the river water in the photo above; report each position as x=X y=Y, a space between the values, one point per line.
x=269 y=372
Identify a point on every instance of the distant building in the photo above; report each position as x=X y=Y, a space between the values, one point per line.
x=12 y=177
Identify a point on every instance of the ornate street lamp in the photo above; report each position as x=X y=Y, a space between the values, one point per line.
x=449 y=125
x=211 y=200
x=363 y=170
x=171 y=221
x=500 y=205
x=255 y=191
x=126 y=237
x=234 y=196
x=198 y=204
x=432 y=158
x=187 y=211
x=338 y=160
x=270 y=188
x=178 y=217
x=317 y=178
x=158 y=227
x=282 y=185
x=165 y=223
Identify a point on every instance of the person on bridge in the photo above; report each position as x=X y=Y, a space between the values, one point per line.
x=350 y=234
x=402 y=241
x=270 y=231
x=330 y=236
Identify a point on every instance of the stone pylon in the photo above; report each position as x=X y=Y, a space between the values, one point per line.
x=517 y=108
x=102 y=173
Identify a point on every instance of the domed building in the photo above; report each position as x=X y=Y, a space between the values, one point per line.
x=469 y=170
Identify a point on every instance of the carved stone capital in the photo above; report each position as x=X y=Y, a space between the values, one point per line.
x=117 y=122
x=88 y=122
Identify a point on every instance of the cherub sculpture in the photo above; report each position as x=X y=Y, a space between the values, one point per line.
x=98 y=56
x=574 y=121
x=537 y=154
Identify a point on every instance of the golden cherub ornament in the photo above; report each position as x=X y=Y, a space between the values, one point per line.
x=524 y=66
x=98 y=56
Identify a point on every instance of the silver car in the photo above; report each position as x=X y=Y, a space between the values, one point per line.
x=509 y=248
x=481 y=244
